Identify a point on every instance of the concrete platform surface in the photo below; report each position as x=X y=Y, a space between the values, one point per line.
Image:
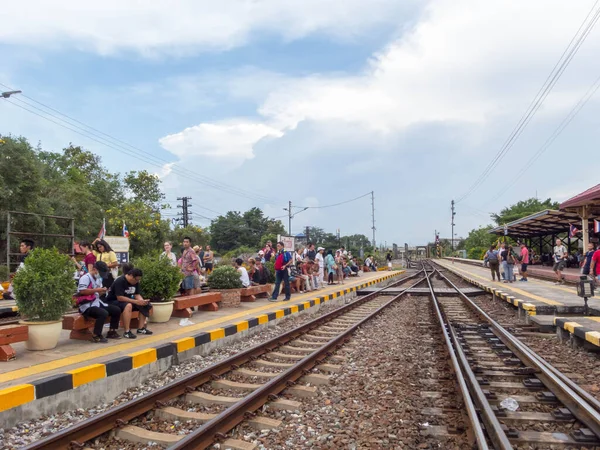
x=571 y=275
x=535 y=296
x=70 y=353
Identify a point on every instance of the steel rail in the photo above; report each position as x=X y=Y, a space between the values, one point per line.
x=565 y=379
x=458 y=366
x=583 y=410
x=93 y=427
x=216 y=428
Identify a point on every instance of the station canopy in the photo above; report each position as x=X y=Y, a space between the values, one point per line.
x=543 y=223
x=589 y=198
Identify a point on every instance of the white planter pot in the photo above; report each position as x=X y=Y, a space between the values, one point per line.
x=42 y=335
x=161 y=312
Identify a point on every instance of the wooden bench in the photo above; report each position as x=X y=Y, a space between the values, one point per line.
x=9 y=335
x=184 y=303
x=81 y=327
x=249 y=294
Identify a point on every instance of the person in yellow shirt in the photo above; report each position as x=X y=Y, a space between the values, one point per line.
x=105 y=254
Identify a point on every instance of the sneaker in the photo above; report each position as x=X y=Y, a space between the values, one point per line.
x=144 y=331
x=272 y=299
x=562 y=281
x=129 y=335
x=112 y=334
x=99 y=339
x=556 y=283
x=286 y=299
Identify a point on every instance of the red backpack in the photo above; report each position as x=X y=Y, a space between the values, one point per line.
x=80 y=299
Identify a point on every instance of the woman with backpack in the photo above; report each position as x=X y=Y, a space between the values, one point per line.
x=491 y=256
x=508 y=263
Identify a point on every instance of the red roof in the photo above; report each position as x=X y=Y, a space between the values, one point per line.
x=586 y=197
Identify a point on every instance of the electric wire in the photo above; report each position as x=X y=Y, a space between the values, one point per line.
x=556 y=73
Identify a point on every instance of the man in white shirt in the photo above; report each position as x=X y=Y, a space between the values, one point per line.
x=321 y=262
x=560 y=260
x=244 y=278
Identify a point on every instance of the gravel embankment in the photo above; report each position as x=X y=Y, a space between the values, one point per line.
x=377 y=400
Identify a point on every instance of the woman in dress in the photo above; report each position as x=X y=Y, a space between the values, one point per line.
x=330 y=264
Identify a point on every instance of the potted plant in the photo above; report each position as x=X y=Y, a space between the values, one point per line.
x=44 y=290
x=159 y=284
x=226 y=280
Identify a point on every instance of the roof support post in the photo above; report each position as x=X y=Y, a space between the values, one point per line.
x=584 y=214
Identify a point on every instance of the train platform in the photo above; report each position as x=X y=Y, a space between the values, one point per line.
x=571 y=275
x=534 y=297
x=582 y=331
x=74 y=364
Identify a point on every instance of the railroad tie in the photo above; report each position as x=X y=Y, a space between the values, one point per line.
x=171 y=413
x=272 y=364
x=205 y=399
x=235 y=386
x=255 y=373
x=140 y=435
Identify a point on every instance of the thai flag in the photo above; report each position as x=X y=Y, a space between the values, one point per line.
x=596 y=226
x=102 y=231
x=125 y=230
x=573 y=230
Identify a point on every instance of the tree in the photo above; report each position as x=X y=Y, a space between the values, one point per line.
x=522 y=209
x=235 y=230
x=478 y=241
x=145 y=188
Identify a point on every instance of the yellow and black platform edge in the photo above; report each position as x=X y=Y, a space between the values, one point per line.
x=24 y=393
x=9 y=309
x=530 y=308
x=571 y=325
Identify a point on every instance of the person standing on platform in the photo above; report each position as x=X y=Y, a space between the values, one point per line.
x=321 y=264
x=491 y=256
x=105 y=254
x=331 y=267
x=311 y=253
x=89 y=259
x=587 y=260
x=189 y=264
x=595 y=266
x=209 y=260
x=282 y=261
x=524 y=261
x=388 y=258
x=560 y=260
x=168 y=253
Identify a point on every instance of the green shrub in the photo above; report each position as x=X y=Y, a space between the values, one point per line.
x=161 y=280
x=44 y=287
x=225 y=277
x=4 y=273
x=270 y=265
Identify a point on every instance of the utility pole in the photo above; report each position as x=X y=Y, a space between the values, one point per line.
x=307 y=234
x=291 y=215
x=185 y=214
x=290 y=218
x=453 y=214
x=373 y=215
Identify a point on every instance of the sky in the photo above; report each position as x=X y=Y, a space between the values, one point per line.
x=260 y=102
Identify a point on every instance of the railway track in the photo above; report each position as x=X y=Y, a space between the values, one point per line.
x=234 y=390
x=492 y=365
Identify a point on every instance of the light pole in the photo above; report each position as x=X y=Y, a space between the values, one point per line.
x=292 y=214
x=7 y=94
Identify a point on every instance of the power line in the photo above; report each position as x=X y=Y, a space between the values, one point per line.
x=119 y=145
x=565 y=122
x=557 y=71
x=336 y=204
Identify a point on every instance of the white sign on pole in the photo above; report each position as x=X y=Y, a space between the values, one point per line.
x=289 y=242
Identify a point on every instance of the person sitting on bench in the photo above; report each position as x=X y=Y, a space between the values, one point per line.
x=90 y=306
x=125 y=293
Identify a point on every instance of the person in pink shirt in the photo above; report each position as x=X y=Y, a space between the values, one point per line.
x=524 y=261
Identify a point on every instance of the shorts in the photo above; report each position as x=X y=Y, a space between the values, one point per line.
x=144 y=310
x=560 y=266
x=208 y=267
x=523 y=267
x=196 y=281
x=188 y=282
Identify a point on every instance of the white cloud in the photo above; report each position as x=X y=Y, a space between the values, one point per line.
x=187 y=26
x=232 y=139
